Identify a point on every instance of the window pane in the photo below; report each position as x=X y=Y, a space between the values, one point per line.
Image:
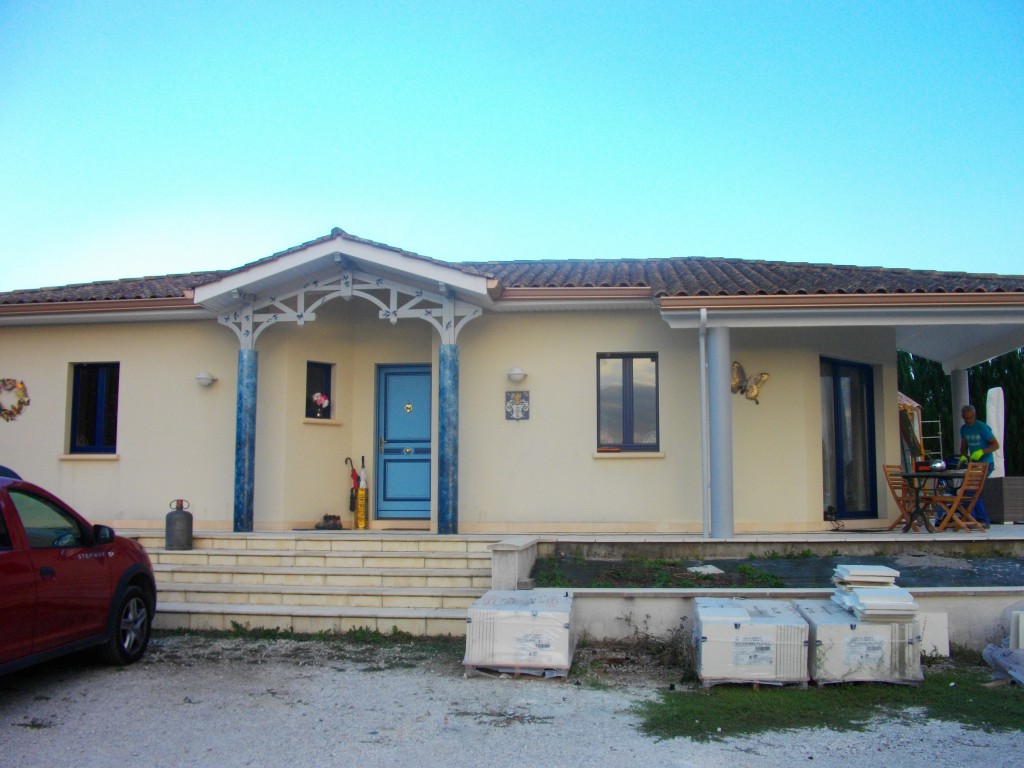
x=855 y=440
x=318 y=390
x=45 y=525
x=847 y=439
x=108 y=438
x=627 y=401
x=828 y=440
x=94 y=408
x=86 y=398
x=645 y=401
x=609 y=406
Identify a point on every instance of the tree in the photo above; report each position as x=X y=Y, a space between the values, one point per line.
x=924 y=381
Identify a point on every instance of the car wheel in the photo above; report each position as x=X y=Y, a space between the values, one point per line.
x=132 y=623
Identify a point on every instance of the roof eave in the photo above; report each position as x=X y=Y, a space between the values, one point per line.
x=574 y=298
x=121 y=310
x=847 y=300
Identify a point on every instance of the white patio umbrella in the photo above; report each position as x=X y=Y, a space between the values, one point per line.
x=994 y=417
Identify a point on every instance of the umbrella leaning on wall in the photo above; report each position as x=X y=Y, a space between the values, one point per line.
x=361 y=497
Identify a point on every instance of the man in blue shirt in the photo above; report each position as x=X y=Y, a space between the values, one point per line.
x=977 y=443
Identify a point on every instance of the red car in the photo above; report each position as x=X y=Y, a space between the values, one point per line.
x=66 y=585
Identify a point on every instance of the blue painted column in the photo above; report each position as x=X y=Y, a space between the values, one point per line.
x=245 y=439
x=448 y=440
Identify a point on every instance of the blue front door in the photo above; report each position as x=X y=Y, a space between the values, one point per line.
x=402 y=488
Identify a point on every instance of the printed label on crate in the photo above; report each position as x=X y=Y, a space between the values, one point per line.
x=753 y=651
x=531 y=645
x=865 y=650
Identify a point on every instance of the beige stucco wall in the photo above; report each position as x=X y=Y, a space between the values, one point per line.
x=543 y=474
x=301 y=473
x=176 y=439
x=777 y=444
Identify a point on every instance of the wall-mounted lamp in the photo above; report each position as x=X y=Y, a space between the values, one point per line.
x=516 y=375
x=205 y=378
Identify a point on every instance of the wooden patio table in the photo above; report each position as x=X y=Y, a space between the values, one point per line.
x=919 y=481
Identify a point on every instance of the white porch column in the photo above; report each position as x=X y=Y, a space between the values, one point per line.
x=959 y=386
x=720 y=411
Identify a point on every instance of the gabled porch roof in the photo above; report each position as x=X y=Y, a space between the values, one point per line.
x=330 y=255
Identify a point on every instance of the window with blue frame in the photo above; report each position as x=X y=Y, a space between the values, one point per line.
x=848 y=440
x=94 y=407
x=318 y=390
x=627 y=402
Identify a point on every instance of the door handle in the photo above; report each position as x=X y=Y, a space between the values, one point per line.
x=47 y=572
x=380 y=446
x=408 y=451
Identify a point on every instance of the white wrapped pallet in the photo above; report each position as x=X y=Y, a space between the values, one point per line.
x=522 y=632
x=749 y=641
x=845 y=649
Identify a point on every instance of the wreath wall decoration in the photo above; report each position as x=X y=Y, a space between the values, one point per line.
x=21 y=399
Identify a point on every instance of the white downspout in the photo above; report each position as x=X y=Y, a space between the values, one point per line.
x=720 y=414
x=705 y=428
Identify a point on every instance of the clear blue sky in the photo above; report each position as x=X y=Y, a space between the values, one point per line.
x=142 y=138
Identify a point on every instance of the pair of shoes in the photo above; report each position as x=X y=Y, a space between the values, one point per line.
x=329 y=523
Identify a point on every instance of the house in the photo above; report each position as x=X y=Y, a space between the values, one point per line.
x=492 y=397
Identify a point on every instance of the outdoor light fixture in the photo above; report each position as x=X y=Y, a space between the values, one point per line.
x=205 y=378
x=516 y=375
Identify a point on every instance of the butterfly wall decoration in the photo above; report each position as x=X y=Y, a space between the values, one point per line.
x=749 y=387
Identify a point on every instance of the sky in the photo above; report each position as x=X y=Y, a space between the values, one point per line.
x=152 y=138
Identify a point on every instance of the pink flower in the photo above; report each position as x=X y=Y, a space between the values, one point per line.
x=320 y=400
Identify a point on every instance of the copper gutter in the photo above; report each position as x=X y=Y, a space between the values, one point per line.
x=844 y=300
x=92 y=307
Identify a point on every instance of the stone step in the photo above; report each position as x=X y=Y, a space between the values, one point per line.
x=310 y=619
x=327 y=541
x=321 y=559
x=170 y=573
x=345 y=597
x=321 y=581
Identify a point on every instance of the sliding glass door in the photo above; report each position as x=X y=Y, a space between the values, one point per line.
x=847 y=440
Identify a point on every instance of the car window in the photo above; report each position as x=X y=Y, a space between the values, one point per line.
x=46 y=525
x=5 y=537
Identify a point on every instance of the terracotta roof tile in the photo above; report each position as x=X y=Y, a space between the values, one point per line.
x=685 y=276
x=165 y=287
x=702 y=276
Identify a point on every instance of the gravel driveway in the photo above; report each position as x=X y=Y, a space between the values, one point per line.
x=199 y=701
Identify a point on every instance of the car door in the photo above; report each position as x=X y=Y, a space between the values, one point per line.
x=72 y=577
x=17 y=594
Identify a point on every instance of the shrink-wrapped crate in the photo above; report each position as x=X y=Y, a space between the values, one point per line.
x=521 y=631
x=843 y=648
x=749 y=641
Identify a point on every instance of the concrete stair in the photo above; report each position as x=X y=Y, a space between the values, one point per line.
x=329 y=581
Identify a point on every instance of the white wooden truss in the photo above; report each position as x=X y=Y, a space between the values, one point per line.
x=395 y=301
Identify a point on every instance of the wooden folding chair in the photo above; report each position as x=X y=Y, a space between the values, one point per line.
x=956 y=510
x=903 y=495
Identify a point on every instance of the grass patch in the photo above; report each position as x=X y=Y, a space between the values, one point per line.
x=953 y=691
x=642 y=573
x=754 y=577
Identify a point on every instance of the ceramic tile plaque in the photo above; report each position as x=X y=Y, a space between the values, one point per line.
x=517 y=405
